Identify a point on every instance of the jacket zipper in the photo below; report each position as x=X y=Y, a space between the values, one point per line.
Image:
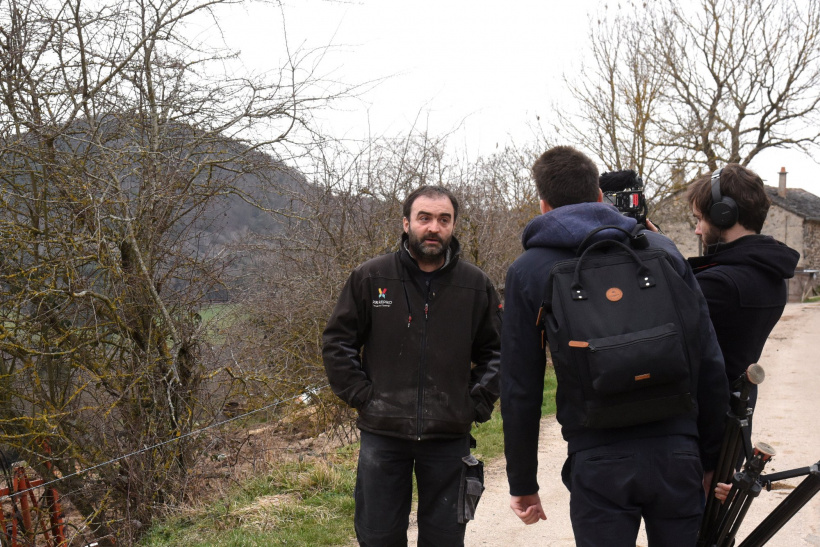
x=407 y=299
x=422 y=365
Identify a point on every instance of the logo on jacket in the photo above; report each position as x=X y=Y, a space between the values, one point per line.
x=382 y=301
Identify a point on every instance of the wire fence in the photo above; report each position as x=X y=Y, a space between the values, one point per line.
x=193 y=433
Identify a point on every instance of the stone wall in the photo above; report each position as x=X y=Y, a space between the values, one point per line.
x=675 y=218
x=789 y=228
x=677 y=222
x=811 y=249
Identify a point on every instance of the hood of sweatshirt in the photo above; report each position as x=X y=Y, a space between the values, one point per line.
x=764 y=253
x=567 y=226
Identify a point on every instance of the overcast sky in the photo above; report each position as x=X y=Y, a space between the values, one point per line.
x=484 y=66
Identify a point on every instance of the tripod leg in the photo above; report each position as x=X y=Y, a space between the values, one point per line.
x=736 y=438
x=710 y=513
x=795 y=501
x=745 y=487
x=728 y=539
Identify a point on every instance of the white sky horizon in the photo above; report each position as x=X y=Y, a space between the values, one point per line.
x=481 y=69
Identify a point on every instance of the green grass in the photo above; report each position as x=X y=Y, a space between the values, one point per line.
x=489 y=436
x=213 y=311
x=217 y=318
x=303 y=504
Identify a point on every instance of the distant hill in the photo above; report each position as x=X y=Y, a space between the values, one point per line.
x=211 y=180
x=232 y=217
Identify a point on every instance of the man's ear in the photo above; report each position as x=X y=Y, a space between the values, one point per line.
x=545 y=207
x=406 y=224
x=600 y=195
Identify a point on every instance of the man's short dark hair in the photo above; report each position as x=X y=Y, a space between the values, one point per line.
x=742 y=185
x=430 y=192
x=565 y=176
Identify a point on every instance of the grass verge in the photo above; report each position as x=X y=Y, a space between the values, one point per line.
x=300 y=504
x=309 y=503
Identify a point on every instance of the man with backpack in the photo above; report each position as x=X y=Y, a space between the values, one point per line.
x=642 y=393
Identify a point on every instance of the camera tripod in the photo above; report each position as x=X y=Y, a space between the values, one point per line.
x=787 y=508
x=720 y=523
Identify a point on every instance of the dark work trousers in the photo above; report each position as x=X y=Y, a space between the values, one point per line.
x=384 y=489
x=612 y=487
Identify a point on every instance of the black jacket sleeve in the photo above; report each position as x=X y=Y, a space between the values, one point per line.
x=486 y=357
x=523 y=363
x=342 y=341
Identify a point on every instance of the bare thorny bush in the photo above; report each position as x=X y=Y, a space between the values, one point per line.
x=120 y=141
x=346 y=211
x=122 y=153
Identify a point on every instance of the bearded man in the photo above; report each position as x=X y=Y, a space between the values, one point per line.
x=742 y=273
x=414 y=346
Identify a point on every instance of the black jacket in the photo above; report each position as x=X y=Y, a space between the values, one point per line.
x=416 y=354
x=744 y=283
x=547 y=239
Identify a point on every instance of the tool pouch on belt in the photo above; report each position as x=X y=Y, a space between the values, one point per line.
x=470 y=489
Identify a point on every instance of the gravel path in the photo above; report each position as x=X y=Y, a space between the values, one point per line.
x=786 y=418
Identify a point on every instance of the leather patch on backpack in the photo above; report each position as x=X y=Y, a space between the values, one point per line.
x=614 y=294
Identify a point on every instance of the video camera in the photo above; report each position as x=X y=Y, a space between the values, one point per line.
x=624 y=190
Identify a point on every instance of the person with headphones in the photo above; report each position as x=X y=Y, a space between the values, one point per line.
x=742 y=273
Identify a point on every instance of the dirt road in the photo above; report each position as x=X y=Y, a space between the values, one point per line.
x=786 y=417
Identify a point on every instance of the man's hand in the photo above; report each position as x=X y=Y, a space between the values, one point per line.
x=528 y=508
x=722 y=491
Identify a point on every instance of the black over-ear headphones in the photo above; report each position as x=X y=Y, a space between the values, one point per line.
x=723 y=211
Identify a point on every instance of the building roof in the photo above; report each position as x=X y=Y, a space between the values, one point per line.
x=797 y=201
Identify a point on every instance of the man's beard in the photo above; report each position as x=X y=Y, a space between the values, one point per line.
x=711 y=238
x=423 y=252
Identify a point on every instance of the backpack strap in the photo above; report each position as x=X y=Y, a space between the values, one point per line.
x=637 y=239
x=644 y=277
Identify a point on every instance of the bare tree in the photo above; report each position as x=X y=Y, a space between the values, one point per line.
x=120 y=139
x=700 y=85
x=498 y=198
x=620 y=96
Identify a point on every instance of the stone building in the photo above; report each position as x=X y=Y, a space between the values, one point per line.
x=794 y=219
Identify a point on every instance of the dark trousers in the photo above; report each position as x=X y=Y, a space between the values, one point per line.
x=658 y=479
x=384 y=489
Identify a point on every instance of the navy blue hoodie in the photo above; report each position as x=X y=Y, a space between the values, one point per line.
x=547 y=239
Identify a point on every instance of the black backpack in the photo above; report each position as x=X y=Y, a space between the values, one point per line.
x=622 y=328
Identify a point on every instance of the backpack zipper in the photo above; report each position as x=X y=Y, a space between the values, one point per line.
x=593 y=348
